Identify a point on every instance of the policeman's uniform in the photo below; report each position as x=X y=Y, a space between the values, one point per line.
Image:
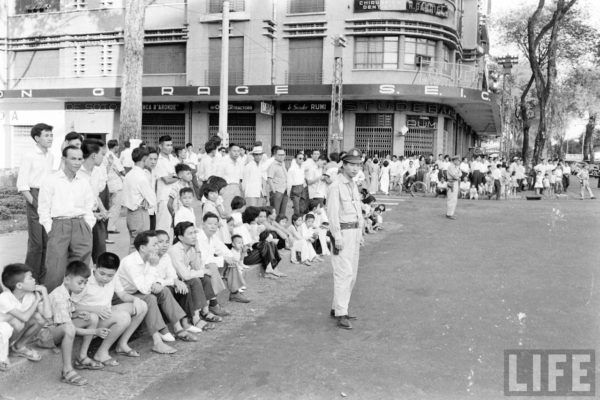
x=454 y=175
x=346 y=225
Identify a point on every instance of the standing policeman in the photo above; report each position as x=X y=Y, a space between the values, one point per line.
x=346 y=225
x=454 y=175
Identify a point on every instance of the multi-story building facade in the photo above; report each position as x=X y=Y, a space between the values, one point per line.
x=414 y=75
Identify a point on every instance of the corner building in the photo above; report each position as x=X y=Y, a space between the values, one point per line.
x=410 y=64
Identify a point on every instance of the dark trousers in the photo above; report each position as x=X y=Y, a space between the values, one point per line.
x=497 y=188
x=263 y=253
x=320 y=200
x=200 y=291
x=37 y=239
x=279 y=202
x=164 y=302
x=299 y=197
x=153 y=222
x=566 y=181
x=68 y=240
x=100 y=230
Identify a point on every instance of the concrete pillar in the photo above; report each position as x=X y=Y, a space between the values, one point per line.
x=199 y=124
x=264 y=125
x=349 y=131
x=399 y=140
x=438 y=142
x=401 y=48
x=439 y=51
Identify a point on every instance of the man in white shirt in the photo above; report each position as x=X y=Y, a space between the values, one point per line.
x=92 y=170
x=138 y=197
x=66 y=210
x=125 y=157
x=497 y=175
x=192 y=160
x=230 y=168
x=313 y=173
x=396 y=171
x=116 y=172
x=36 y=165
x=252 y=179
x=165 y=177
x=149 y=169
x=296 y=185
x=206 y=166
x=138 y=278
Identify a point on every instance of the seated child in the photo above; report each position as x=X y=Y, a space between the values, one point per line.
x=184 y=173
x=377 y=217
x=442 y=188
x=473 y=193
x=321 y=224
x=465 y=187
x=309 y=232
x=270 y=223
x=212 y=203
x=22 y=309
x=238 y=253
x=302 y=250
x=64 y=312
x=434 y=178
x=186 y=210
x=122 y=319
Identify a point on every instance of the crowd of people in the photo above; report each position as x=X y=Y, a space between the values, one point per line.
x=196 y=223
x=482 y=177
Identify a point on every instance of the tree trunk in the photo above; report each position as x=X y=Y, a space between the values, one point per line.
x=524 y=115
x=133 y=69
x=540 y=137
x=588 y=148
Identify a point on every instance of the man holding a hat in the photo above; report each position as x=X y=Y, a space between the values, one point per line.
x=453 y=182
x=346 y=226
x=252 y=179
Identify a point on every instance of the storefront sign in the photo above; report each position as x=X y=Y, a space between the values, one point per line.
x=236 y=107
x=311 y=107
x=425 y=7
x=367 y=5
x=421 y=121
x=113 y=106
x=267 y=108
x=273 y=92
x=407 y=106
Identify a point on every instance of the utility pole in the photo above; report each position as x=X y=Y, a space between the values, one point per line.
x=507 y=63
x=336 y=116
x=224 y=83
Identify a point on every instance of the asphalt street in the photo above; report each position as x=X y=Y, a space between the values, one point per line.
x=438 y=302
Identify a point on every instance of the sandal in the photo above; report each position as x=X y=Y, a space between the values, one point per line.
x=73 y=378
x=4 y=366
x=164 y=349
x=130 y=353
x=185 y=336
x=111 y=362
x=210 y=317
x=88 y=363
x=209 y=327
x=27 y=353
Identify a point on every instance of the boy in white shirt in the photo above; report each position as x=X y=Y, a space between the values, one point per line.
x=465 y=187
x=320 y=224
x=185 y=211
x=122 y=319
x=184 y=173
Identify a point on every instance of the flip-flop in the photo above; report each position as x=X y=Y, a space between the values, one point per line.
x=185 y=336
x=27 y=353
x=111 y=362
x=130 y=353
x=92 y=365
x=73 y=378
x=171 y=351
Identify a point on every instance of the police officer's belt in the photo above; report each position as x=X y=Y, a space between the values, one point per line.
x=348 y=225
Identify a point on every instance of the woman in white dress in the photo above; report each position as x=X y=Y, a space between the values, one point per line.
x=384 y=178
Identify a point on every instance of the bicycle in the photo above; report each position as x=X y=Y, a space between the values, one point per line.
x=416 y=188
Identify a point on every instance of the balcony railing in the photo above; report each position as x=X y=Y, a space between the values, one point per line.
x=216 y=6
x=213 y=78
x=448 y=74
x=293 y=78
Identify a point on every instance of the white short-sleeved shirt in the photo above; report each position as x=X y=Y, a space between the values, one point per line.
x=185 y=214
x=8 y=303
x=164 y=168
x=95 y=295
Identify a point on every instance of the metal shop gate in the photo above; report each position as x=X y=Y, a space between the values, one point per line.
x=419 y=141
x=375 y=133
x=304 y=132
x=241 y=128
x=157 y=125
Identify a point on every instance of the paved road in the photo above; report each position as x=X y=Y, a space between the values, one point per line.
x=437 y=299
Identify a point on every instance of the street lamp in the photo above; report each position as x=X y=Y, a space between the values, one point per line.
x=507 y=63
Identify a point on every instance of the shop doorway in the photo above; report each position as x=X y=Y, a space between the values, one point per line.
x=241 y=128
x=156 y=125
x=304 y=132
x=375 y=134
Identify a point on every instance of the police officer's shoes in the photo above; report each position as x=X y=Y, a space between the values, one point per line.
x=350 y=317
x=450 y=217
x=343 y=322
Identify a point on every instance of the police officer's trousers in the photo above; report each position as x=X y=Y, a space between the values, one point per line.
x=345 y=268
x=452 y=199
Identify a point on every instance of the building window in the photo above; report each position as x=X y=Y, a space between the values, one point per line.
x=35 y=64
x=107 y=59
x=376 y=52
x=240 y=126
x=236 y=61
x=305 y=61
x=36 y=6
x=418 y=53
x=216 y=6
x=306 y=6
x=79 y=61
x=79 y=4
x=164 y=58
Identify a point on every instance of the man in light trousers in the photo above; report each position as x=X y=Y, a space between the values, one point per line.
x=346 y=226
x=453 y=174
